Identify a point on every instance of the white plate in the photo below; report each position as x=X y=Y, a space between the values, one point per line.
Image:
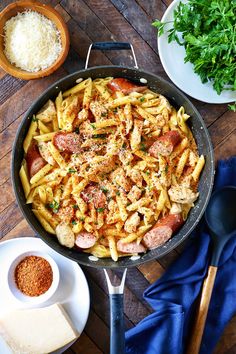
x=72 y=292
x=182 y=74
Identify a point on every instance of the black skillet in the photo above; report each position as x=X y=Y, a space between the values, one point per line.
x=197 y=125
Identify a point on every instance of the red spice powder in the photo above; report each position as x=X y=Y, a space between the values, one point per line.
x=33 y=276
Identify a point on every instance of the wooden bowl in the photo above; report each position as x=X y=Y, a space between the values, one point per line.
x=49 y=12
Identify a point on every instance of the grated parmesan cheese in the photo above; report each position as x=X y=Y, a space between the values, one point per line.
x=32 y=41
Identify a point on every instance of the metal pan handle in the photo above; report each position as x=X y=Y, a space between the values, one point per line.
x=117 y=332
x=111 y=46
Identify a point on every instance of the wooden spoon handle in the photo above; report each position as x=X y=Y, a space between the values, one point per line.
x=199 y=324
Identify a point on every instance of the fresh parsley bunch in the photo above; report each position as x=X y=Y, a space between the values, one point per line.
x=208 y=29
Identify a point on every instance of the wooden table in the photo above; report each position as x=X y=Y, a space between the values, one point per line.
x=90 y=21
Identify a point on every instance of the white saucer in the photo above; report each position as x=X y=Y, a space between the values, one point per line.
x=72 y=292
x=182 y=74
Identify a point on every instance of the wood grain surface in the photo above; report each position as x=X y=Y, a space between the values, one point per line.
x=89 y=21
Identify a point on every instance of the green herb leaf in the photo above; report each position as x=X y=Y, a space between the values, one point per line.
x=104 y=189
x=143 y=147
x=93 y=126
x=99 y=136
x=54 y=206
x=73 y=222
x=71 y=170
x=100 y=210
x=208 y=33
x=232 y=107
x=34 y=119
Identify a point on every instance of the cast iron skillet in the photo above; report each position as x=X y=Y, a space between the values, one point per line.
x=177 y=99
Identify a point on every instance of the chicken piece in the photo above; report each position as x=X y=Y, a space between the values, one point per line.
x=135 y=137
x=147 y=214
x=45 y=152
x=101 y=167
x=134 y=194
x=66 y=213
x=47 y=112
x=132 y=223
x=125 y=156
x=176 y=209
x=98 y=110
x=119 y=177
x=181 y=194
x=65 y=235
x=135 y=176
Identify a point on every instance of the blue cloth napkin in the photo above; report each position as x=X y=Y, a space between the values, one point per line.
x=173 y=296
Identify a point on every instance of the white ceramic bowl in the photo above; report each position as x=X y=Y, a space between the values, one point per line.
x=182 y=74
x=32 y=300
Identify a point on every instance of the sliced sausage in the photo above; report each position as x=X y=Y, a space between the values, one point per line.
x=34 y=160
x=67 y=142
x=93 y=194
x=65 y=235
x=85 y=240
x=165 y=144
x=131 y=247
x=162 y=231
x=125 y=86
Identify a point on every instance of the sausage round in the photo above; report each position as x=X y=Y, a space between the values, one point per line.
x=165 y=144
x=125 y=86
x=131 y=247
x=34 y=160
x=93 y=194
x=67 y=142
x=162 y=231
x=85 y=240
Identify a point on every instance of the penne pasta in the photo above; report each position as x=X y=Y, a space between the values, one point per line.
x=116 y=160
x=31 y=133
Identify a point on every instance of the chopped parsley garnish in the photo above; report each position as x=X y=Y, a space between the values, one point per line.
x=147 y=172
x=124 y=146
x=99 y=136
x=232 y=107
x=142 y=99
x=100 y=210
x=71 y=170
x=93 y=126
x=117 y=193
x=54 y=206
x=207 y=28
x=115 y=110
x=34 y=119
x=143 y=147
x=77 y=130
x=81 y=219
x=166 y=168
x=104 y=189
x=75 y=206
x=73 y=222
x=104 y=114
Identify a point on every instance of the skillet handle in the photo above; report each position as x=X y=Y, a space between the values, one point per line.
x=117 y=338
x=110 y=46
x=117 y=335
